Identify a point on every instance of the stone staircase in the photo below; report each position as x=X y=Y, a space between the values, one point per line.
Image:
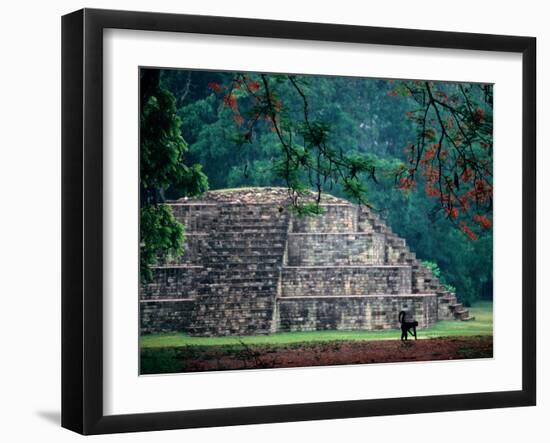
x=241 y=253
x=423 y=279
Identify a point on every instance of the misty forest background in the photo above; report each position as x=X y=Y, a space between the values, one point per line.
x=419 y=153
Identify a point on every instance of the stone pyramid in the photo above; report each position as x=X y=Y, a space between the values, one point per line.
x=251 y=266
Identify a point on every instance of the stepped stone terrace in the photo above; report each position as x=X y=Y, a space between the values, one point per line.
x=252 y=266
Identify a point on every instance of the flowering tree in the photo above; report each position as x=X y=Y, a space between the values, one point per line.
x=451 y=155
x=453 y=150
x=309 y=160
x=419 y=153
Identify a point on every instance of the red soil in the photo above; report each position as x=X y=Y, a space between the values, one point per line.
x=338 y=353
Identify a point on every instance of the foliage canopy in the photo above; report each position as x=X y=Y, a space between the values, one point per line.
x=418 y=152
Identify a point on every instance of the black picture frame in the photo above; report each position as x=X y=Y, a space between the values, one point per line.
x=82 y=218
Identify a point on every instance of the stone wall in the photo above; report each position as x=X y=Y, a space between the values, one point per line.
x=353 y=313
x=306 y=249
x=174 y=282
x=165 y=315
x=349 y=280
x=197 y=217
x=232 y=313
x=336 y=218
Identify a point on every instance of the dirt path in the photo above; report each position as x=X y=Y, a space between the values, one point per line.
x=215 y=358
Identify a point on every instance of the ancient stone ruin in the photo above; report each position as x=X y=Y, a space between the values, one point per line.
x=251 y=266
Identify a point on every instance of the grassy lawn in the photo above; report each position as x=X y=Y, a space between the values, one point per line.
x=482 y=325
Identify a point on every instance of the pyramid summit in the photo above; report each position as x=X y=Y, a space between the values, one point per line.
x=257 y=195
x=252 y=266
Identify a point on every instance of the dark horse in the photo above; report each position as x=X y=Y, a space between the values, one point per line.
x=407 y=327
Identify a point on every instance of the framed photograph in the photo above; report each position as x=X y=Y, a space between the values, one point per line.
x=269 y=221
